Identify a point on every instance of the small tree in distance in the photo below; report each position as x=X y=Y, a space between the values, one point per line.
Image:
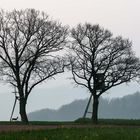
x=100 y=61
x=29 y=41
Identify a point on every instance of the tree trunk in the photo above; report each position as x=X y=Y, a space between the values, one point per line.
x=95 y=109
x=23 y=114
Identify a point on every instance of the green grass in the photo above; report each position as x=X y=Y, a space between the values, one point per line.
x=35 y=123
x=75 y=134
x=109 y=121
x=80 y=121
x=108 y=132
x=120 y=122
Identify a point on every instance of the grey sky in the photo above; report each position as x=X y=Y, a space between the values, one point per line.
x=121 y=17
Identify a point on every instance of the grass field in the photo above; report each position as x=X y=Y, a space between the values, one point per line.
x=106 y=130
x=80 y=121
x=75 y=134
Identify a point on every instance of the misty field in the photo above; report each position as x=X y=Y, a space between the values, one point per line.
x=100 y=133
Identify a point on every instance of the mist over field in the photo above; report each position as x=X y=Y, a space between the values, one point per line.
x=126 y=107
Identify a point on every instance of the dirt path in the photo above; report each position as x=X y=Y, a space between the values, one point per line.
x=14 y=128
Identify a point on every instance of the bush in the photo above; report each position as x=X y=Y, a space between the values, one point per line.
x=83 y=120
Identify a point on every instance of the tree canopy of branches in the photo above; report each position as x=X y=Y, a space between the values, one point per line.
x=97 y=55
x=29 y=41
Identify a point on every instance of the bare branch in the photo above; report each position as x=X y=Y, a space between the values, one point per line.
x=96 y=51
x=29 y=41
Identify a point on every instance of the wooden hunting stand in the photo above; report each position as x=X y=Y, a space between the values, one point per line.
x=16 y=98
x=99 y=84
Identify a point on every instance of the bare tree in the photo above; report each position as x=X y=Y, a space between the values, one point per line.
x=29 y=41
x=99 y=61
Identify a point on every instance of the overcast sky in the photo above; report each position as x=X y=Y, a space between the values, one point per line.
x=121 y=17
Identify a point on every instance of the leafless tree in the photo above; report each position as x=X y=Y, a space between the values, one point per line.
x=29 y=42
x=99 y=61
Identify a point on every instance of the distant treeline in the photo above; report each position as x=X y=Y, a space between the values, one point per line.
x=126 y=107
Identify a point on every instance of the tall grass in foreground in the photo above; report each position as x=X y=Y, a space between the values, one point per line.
x=75 y=134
